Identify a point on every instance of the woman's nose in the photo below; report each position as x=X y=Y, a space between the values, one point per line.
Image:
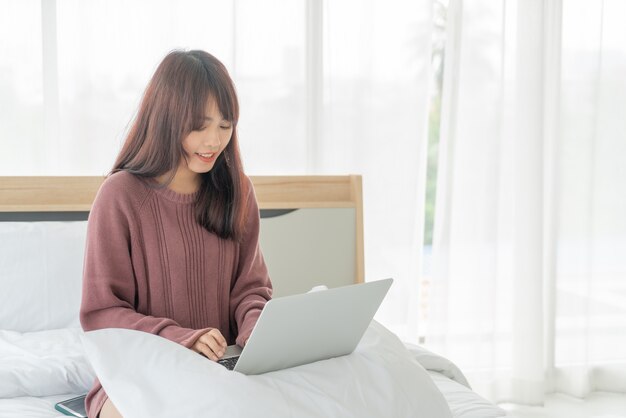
x=212 y=139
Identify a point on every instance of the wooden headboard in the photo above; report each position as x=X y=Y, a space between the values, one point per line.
x=308 y=195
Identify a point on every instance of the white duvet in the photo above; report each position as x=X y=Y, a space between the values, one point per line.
x=145 y=375
x=43 y=363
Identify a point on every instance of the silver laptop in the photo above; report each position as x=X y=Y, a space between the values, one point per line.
x=301 y=329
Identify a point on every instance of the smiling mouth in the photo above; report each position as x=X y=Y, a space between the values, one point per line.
x=208 y=157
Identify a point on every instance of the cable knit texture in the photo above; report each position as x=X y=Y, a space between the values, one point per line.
x=150 y=266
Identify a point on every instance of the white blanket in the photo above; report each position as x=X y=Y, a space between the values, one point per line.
x=146 y=375
x=43 y=363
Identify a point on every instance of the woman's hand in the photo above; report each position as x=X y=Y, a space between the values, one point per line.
x=212 y=344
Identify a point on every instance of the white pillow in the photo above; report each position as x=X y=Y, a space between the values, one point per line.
x=146 y=375
x=41 y=271
x=43 y=363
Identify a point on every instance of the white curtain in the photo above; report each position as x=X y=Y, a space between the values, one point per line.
x=326 y=87
x=529 y=252
x=375 y=113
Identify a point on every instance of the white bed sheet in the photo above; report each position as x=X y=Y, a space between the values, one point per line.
x=464 y=402
x=33 y=407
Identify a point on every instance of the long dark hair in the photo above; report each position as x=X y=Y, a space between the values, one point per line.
x=173 y=105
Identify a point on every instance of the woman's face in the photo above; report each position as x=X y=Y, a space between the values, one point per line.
x=204 y=145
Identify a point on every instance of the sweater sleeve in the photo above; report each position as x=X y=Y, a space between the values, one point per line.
x=252 y=287
x=109 y=286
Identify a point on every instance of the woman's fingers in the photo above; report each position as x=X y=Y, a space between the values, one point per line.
x=204 y=349
x=212 y=344
x=215 y=341
x=218 y=337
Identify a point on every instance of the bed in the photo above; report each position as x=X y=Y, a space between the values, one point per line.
x=44 y=357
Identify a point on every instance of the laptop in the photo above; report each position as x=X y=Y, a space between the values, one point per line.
x=301 y=329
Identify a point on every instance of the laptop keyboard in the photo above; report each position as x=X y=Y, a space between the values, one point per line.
x=229 y=363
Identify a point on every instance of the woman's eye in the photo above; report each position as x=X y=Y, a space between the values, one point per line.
x=225 y=127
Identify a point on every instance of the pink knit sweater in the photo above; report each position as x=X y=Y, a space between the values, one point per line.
x=150 y=266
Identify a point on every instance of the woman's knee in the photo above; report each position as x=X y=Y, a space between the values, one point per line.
x=109 y=410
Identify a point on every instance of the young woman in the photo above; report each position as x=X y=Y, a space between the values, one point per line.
x=173 y=235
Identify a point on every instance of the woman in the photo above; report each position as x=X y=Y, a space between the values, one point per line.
x=172 y=241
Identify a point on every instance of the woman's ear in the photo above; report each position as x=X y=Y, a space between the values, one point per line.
x=226 y=158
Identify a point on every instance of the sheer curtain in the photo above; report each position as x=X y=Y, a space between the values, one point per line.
x=529 y=257
x=374 y=122
x=326 y=87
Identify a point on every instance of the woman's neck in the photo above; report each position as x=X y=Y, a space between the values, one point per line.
x=185 y=181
